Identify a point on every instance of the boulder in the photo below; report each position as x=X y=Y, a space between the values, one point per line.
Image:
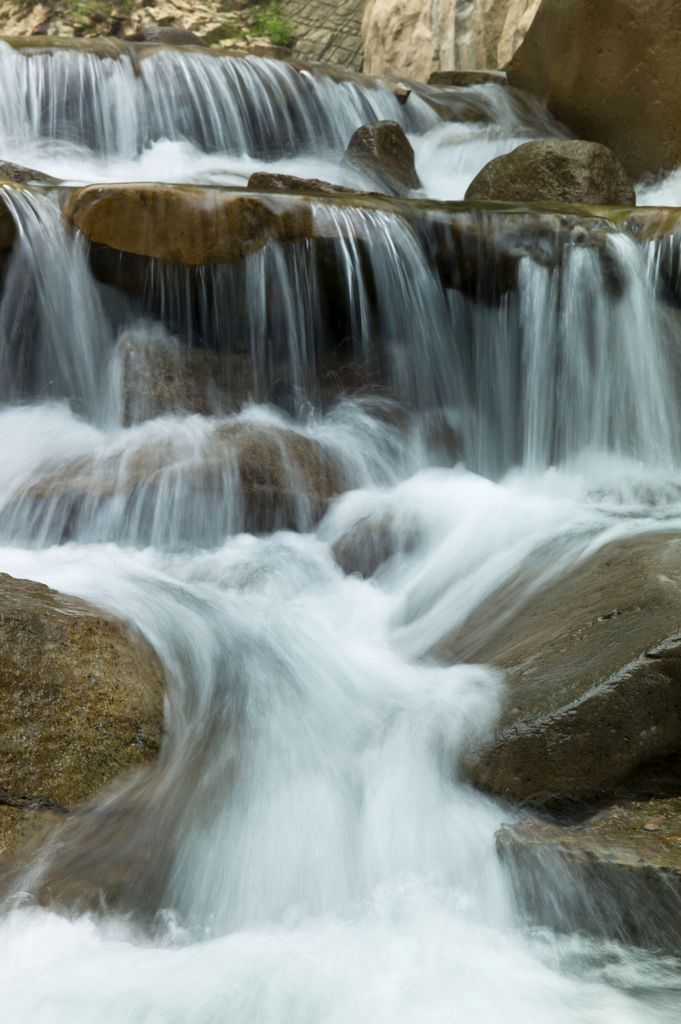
x=555 y=171
x=609 y=70
x=168 y=35
x=371 y=542
x=182 y=223
x=196 y=485
x=81 y=701
x=158 y=375
x=618 y=875
x=464 y=79
x=24 y=175
x=384 y=153
x=264 y=181
x=593 y=671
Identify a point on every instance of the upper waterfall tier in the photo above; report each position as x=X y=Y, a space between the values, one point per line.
x=103 y=110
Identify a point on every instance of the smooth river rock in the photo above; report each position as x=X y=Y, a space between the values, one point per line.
x=183 y=223
x=385 y=154
x=81 y=702
x=593 y=674
x=609 y=69
x=617 y=875
x=555 y=171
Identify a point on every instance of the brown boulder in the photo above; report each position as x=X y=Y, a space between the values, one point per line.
x=552 y=171
x=81 y=701
x=196 y=488
x=264 y=181
x=617 y=875
x=158 y=375
x=183 y=223
x=385 y=154
x=463 y=79
x=593 y=670
x=609 y=70
x=168 y=35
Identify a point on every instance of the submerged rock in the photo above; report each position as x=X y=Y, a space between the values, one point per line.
x=593 y=669
x=385 y=154
x=609 y=70
x=617 y=875
x=81 y=701
x=159 y=375
x=193 y=485
x=561 y=172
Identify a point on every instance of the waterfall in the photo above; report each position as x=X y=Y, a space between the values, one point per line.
x=296 y=474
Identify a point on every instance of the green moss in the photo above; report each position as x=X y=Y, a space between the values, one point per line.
x=270 y=22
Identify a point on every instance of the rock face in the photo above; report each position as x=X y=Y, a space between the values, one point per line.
x=417 y=37
x=593 y=665
x=609 y=70
x=617 y=876
x=183 y=224
x=81 y=701
x=384 y=152
x=197 y=485
x=562 y=172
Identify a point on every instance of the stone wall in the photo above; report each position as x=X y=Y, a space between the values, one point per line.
x=328 y=30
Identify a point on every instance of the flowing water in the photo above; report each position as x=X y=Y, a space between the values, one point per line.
x=306 y=849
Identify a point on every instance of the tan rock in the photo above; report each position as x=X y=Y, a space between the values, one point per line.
x=183 y=224
x=419 y=37
x=609 y=70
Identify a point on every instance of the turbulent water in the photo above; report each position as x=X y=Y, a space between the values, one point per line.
x=306 y=850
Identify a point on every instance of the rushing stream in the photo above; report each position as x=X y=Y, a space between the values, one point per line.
x=306 y=850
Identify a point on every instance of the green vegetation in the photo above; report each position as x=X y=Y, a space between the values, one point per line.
x=269 y=21
x=95 y=10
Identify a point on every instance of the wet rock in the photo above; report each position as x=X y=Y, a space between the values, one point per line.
x=609 y=70
x=385 y=154
x=562 y=172
x=81 y=701
x=371 y=542
x=263 y=181
x=195 y=484
x=617 y=876
x=593 y=674
x=183 y=224
x=158 y=375
x=169 y=35
x=25 y=175
x=401 y=92
x=467 y=78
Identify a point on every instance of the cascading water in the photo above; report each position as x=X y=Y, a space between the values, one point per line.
x=307 y=848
